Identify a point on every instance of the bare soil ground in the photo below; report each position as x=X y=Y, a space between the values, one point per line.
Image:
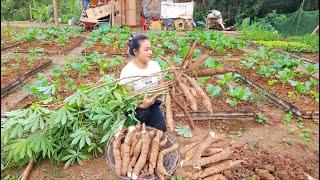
x=13 y=74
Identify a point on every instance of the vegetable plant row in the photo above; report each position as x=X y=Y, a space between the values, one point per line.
x=15 y=66
x=265 y=35
x=66 y=80
x=52 y=40
x=106 y=39
x=288 y=78
x=288 y=46
x=113 y=40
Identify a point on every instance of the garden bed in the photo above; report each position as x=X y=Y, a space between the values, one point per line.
x=8 y=39
x=272 y=68
x=289 y=46
x=67 y=82
x=101 y=48
x=304 y=103
x=51 y=47
x=234 y=52
x=305 y=56
x=8 y=43
x=310 y=57
x=18 y=72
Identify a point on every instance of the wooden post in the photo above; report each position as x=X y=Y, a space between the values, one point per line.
x=315 y=30
x=55 y=11
x=123 y=12
x=112 y=12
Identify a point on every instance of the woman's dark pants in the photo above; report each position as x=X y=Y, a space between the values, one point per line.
x=152 y=116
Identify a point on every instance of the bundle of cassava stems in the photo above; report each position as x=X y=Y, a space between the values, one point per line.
x=185 y=83
x=139 y=155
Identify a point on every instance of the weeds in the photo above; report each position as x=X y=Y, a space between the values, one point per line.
x=288 y=117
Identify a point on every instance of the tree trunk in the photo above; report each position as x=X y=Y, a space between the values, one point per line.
x=55 y=11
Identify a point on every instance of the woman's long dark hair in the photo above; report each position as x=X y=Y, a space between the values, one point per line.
x=134 y=42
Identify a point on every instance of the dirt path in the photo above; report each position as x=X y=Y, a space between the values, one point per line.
x=19 y=93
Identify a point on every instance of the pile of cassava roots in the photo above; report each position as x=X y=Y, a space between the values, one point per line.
x=206 y=159
x=138 y=153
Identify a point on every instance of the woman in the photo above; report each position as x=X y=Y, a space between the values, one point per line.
x=148 y=111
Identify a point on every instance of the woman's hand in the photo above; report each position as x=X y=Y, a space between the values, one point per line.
x=147 y=102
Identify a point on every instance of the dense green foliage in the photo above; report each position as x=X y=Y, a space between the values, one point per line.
x=39 y=10
x=215 y=40
x=115 y=36
x=264 y=33
x=234 y=12
x=288 y=46
x=59 y=35
x=79 y=128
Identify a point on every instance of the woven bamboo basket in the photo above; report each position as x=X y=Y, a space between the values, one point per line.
x=171 y=160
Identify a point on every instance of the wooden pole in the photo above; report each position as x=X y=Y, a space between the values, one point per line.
x=123 y=12
x=55 y=11
x=112 y=12
x=315 y=30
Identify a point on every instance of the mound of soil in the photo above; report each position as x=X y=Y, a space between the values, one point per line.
x=264 y=165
